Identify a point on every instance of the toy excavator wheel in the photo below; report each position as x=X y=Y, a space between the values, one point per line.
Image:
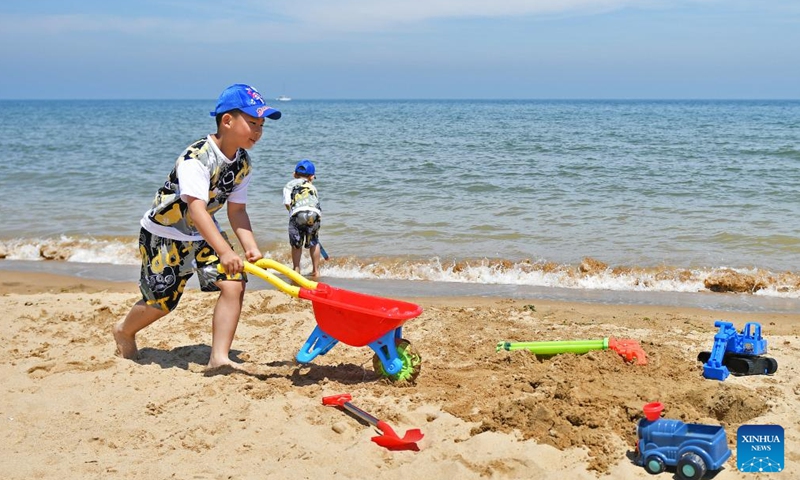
x=764 y=366
x=412 y=363
x=740 y=365
x=771 y=365
x=654 y=465
x=691 y=467
x=744 y=365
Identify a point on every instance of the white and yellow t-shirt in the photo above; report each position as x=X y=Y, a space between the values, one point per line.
x=202 y=171
x=301 y=196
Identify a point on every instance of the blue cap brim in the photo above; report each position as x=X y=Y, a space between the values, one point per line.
x=258 y=112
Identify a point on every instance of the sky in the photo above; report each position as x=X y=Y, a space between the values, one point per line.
x=412 y=49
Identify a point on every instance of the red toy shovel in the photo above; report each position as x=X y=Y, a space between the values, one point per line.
x=389 y=438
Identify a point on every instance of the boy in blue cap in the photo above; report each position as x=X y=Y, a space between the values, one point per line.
x=302 y=200
x=180 y=236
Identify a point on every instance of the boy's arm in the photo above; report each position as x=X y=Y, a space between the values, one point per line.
x=208 y=229
x=240 y=222
x=287 y=196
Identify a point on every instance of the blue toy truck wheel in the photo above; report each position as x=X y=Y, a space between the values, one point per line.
x=654 y=465
x=691 y=467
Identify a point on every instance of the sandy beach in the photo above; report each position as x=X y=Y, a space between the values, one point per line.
x=72 y=409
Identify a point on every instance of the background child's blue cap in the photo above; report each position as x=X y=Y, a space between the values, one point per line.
x=245 y=98
x=304 y=167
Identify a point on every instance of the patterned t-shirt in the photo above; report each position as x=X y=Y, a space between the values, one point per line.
x=226 y=179
x=301 y=196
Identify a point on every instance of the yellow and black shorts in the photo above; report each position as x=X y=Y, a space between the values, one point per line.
x=167 y=265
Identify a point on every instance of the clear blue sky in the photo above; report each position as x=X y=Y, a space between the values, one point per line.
x=54 y=49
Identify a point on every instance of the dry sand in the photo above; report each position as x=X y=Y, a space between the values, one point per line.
x=72 y=409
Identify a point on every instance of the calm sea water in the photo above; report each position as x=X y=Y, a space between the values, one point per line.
x=665 y=193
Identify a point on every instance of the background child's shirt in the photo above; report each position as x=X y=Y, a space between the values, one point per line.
x=301 y=196
x=202 y=171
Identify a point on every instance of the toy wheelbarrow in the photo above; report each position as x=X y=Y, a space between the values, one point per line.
x=352 y=318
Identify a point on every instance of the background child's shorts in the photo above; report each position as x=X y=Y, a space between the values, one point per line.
x=304 y=229
x=167 y=265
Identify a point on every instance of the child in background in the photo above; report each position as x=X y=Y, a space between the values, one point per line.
x=302 y=201
x=180 y=236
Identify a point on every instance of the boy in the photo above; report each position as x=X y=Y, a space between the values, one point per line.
x=179 y=234
x=301 y=199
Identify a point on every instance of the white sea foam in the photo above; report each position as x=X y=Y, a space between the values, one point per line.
x=664 y=279
x=71 y=249
x=779 y=291
x=590 y=275
x=113 y=253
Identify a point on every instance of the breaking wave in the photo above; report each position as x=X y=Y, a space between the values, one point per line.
x=590 y=274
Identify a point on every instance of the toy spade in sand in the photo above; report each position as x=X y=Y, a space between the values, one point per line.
x=389 y=438
x=630 y=350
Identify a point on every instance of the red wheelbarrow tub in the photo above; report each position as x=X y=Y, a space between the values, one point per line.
x=355 y=318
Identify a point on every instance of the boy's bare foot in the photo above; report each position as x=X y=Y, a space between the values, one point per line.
x=126 y=344
x=222 y=370
x=314 y=275
x=214 y=364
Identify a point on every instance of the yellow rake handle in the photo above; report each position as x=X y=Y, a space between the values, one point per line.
x=259 y=269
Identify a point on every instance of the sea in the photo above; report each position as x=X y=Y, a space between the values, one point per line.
x=665 y=202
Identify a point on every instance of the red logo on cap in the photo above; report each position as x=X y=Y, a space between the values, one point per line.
x=255 y=95
x=261 y=110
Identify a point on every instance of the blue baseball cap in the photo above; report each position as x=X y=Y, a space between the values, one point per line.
x=304 y=167
x=245 y=98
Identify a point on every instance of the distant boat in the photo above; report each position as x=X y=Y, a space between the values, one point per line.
x=283 y=98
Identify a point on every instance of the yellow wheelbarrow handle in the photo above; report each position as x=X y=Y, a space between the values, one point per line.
x=259 y=269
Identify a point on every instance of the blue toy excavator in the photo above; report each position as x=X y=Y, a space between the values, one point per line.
x=737 y=353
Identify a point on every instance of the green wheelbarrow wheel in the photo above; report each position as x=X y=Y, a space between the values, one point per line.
x=412 y=363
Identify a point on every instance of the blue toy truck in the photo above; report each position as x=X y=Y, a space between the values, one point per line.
x=694 y=449
x=737 y=353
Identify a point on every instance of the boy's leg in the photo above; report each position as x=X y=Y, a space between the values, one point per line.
x=297 y=254
x=160 y=286
x=229 y=302
x=296 y=242
x=226 y=319
x=314 y=250
x=313 y=245
x=140 y=316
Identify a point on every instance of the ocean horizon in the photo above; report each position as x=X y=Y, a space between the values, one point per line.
x=596 y=198
x=275 y=102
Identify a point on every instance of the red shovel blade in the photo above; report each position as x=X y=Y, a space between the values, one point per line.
x=392 y=441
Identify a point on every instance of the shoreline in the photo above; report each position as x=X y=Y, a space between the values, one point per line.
x=37 y=283
x=118 y=275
